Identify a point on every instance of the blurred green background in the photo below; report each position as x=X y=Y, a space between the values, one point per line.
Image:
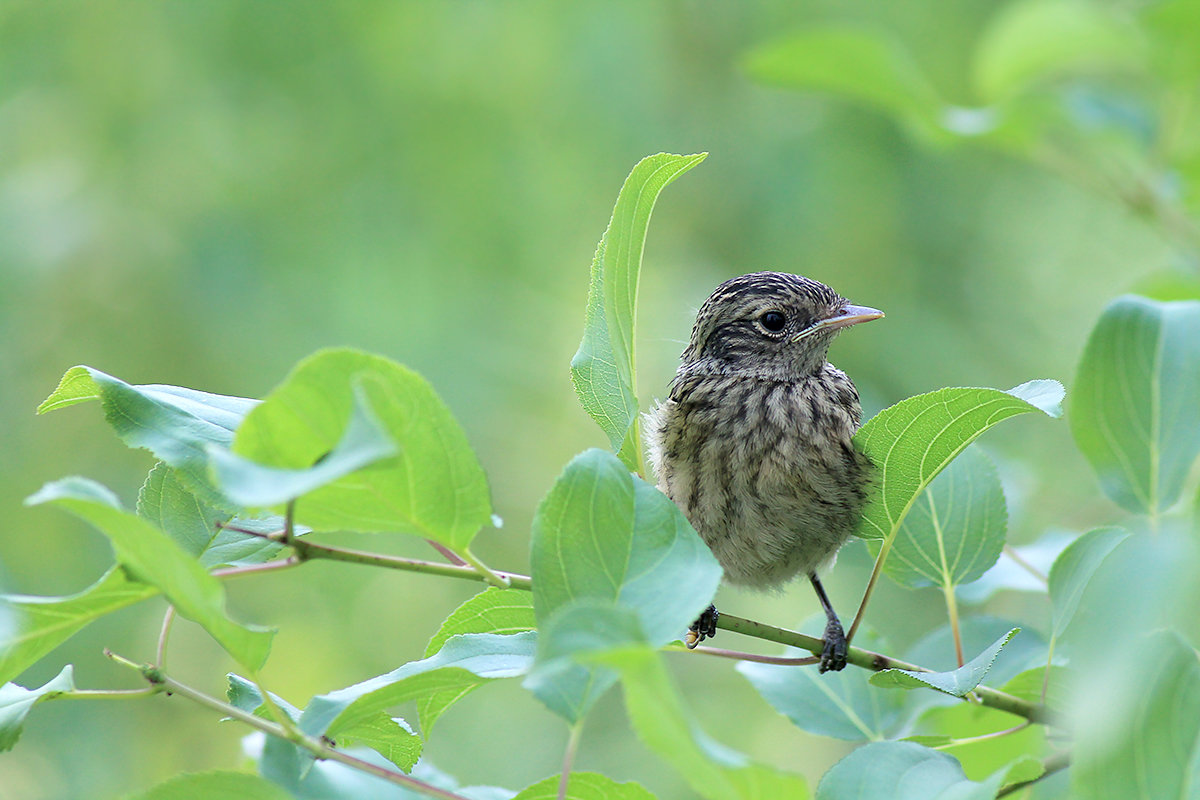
x=203 y=193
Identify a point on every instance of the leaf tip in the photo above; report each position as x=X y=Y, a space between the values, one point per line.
x=1046 y=395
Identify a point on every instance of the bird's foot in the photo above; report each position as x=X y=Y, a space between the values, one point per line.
x=833 y=655
x=705 y=627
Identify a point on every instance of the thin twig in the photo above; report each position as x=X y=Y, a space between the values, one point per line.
x=866 y=659
x=876 y=570
x=737 y=655
x=569 y=759
x=984 y=737
x=160 y=654
x=160 y=682
x=1022 y=562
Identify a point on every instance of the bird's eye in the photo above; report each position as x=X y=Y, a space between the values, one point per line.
x=773 y=321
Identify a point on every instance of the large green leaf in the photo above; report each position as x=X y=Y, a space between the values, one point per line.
x=154 y=558
x=499 y=611
x=1073 y=569
x=604 y=534
x=1133 y=410
x=838 y=704
x=957 y=682
x=662 y=723
x=1152 y=753
x=16 y=702
x=902 y=771
x=434 y=487
x=462 y=663
x=603 y=369
x=174 y=423
x=955 y=530
x=1036 y=41
x=913 y=440
x=39 y=624
x=856 y=63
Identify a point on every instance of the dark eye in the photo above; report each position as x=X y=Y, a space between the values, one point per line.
x=773 y=321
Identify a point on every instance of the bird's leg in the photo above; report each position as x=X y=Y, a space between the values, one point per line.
x=833 y=655
x=705 y=627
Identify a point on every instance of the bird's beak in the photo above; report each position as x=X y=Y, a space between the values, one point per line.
x=847 y=316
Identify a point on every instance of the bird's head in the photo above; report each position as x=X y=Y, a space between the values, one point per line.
x=772 y=324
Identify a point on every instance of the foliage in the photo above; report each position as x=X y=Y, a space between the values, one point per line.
x=352 y=441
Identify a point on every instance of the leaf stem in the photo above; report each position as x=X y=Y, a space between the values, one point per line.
x=952 y=612
x=884 y=550
x=984 y=737
x=1022 y=562
x=160 y=653
x=160 y=682
x=569 y=758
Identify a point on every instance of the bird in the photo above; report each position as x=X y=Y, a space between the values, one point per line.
x=754 y=440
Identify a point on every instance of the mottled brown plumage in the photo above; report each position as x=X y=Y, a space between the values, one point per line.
x=754 y=440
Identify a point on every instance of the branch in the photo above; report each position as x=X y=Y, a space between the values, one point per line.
x=160 y=682
x=876 y=662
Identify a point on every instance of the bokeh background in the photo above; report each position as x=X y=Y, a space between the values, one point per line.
x=204 y=193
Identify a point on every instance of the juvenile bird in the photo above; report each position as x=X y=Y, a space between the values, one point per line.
x=753 y=442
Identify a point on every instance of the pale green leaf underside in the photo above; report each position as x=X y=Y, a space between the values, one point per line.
x=217 y=785
x=957 y=682
x=1134 y=413
x=903 y=771
x=1074 y=567
x=16 y=702
x=603 y=370
x=39 y=624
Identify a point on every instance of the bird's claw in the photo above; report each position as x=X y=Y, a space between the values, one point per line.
x=833 y=654
x=705 y=627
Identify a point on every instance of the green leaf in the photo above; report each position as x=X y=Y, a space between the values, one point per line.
x=902 y=771
x=152 y=557
x=252 y=485
x=174 y=423
x=661 y=722
x=585 y=786
x=215 y=786
x=1073 y=569
x=604 y=534
x=603 y=369
x=434 y=487
x=856 y=63
x=498 y=611
x=955 y=530
x=1028 y=685
x=1147 y=756
x=167 y=503
x=1133 y=411
x=936 y=650
x=391 y=738
x=39 y=624
x=838 y=704
x=573 y=632
x=462 y=663
x=16 y=702
x=958 y=683
x=913 y=440
x=1036 y=41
